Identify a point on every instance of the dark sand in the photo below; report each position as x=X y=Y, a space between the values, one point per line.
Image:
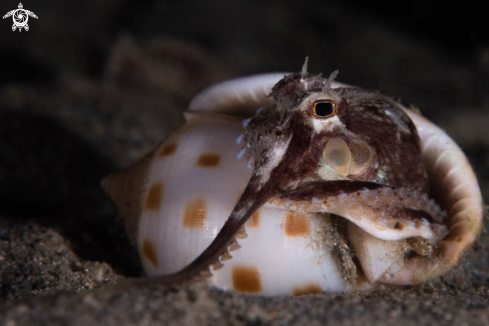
x=94 y=86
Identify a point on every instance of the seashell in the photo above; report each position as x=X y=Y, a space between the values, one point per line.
x=346 y=190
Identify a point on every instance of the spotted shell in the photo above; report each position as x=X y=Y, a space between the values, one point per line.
x=176 y=200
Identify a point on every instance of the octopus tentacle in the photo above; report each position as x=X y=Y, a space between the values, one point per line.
x=385 y=212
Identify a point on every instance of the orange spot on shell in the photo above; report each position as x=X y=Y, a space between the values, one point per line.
x=297 y=225
x=195 y=214
x=209 y=160
x=148 y=251
x=312 y=288
x=153 y=197
x=254 y=221
x=168 y=149
x=246 y=279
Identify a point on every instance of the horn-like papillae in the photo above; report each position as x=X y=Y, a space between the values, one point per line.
x=385 y=212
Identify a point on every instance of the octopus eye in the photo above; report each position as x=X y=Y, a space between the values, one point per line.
x=323 y=109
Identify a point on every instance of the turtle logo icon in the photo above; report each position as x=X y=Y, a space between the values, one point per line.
x=20 y=17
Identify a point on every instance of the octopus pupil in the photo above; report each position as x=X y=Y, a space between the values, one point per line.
x=323 y=109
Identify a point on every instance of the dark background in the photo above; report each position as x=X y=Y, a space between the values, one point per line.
x=249 y=36
x=94 y=85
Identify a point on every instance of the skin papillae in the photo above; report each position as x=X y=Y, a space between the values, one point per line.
x=311 y=142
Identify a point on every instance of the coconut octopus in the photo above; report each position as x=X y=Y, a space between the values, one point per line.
x=324 y=187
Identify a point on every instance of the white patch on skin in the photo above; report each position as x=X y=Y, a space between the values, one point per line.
x=381 y=174
x=241 y=212
x=325 y=172
x=327 y=124
x=274 y=158
x=377 y=118
x=404 y=128
x=305 y=83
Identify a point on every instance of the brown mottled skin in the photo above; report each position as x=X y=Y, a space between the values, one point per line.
x=408 y=167
x=296 y=174
x=356 y=108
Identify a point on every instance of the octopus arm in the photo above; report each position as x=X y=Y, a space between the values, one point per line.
x=385 y=212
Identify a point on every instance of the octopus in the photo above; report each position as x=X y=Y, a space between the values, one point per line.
x=292 y=184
